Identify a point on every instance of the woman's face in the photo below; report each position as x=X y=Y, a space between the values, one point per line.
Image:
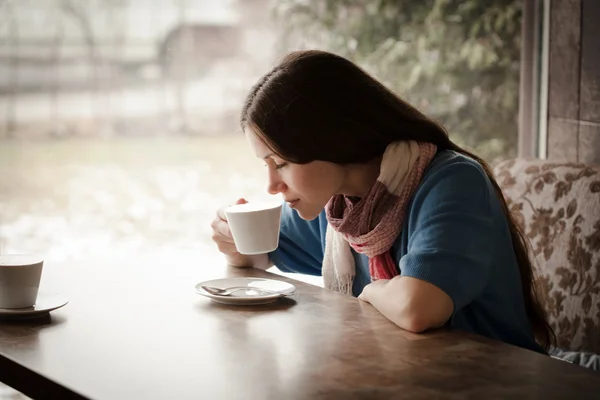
x=305 y=187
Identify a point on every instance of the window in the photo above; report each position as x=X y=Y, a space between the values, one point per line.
x=118 y=119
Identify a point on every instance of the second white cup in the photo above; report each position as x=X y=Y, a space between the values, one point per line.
x=20 y=276
x=254 y=226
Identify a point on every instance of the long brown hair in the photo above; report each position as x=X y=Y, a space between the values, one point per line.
x=316 y=105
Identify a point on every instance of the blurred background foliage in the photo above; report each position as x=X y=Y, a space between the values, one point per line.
x=456 y=60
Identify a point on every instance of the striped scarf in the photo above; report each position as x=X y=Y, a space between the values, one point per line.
x=371 y=225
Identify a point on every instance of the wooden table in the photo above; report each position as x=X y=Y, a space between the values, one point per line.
x=140 y=332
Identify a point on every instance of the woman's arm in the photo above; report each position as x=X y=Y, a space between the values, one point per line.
x=451 y=244
x=410 y=303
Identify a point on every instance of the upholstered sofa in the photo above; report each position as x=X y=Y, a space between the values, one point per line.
x=558 y=205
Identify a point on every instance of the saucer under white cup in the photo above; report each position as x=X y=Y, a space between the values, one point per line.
x=20 y=276
x=247 y=297
x=45 y=303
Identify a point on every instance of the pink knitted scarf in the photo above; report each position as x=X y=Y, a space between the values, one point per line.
x=372 y=224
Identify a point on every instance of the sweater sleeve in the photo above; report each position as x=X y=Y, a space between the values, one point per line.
x=451 y=242
x=300 y=244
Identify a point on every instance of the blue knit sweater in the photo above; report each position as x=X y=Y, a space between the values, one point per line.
x=455 y=236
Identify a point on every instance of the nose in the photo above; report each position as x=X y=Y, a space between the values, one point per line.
x=276 y=185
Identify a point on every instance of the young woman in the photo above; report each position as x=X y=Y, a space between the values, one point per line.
x=384 y=206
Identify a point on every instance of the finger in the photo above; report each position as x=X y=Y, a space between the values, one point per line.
x=221 y=214
x=221 y=227
x=225 y=232
x=221 y=211
x=227 y=248
x=363 y=295
x=219 y=237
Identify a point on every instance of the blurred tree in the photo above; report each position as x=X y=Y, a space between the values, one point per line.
x=457 y=60
x=83 y=13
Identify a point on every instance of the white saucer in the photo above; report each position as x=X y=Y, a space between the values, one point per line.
x=247 y=297
x=45 y=303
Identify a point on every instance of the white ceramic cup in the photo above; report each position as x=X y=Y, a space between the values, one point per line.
x=254 y=226
x=20 y=276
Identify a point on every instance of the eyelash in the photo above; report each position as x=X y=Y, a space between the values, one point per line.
x=279 y=166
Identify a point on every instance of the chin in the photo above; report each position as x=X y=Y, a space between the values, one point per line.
x=308 y=215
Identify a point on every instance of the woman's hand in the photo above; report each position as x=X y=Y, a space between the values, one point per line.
x=373 y=287
x=224 y=240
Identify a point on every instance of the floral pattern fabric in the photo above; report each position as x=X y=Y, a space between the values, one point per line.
x=558 y=206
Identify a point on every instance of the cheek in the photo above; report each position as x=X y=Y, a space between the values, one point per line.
x=322 y=185
x=295 y=179
x=314 y=182
x=326 y=179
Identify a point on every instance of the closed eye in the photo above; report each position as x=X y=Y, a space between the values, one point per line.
x=279 y=166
